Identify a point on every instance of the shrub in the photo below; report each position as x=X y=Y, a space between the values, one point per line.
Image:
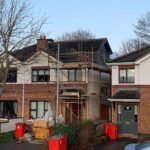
x=70 y=130
x=7 y=137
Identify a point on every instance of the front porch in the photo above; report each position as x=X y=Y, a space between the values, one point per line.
x=125 y=112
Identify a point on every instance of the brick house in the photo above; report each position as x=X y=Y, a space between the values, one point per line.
x=84 y=80
x=131 y=93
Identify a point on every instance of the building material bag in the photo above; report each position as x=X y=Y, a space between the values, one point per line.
x=40 y=123
x=40 y=132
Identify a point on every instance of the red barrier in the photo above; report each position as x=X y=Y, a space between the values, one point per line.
x=106 y=128
x=20 y=130
x=58 y=143
x=113 y=131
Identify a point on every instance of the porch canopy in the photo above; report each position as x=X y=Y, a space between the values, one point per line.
x=126 y=95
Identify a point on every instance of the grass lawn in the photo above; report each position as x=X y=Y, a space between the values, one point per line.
x=7 y=137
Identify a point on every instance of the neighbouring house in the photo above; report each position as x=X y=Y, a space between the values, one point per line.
x=131 y=93
x=73 y=72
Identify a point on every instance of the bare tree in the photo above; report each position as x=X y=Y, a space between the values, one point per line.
x=142 y=31
x=131 y=45
x=142 y=28
x=79 y=34
x=18 y=29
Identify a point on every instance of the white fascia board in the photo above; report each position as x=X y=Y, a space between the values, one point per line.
x=142 y=59
x=123 y=63
x=45 y=54
x=38 y=52
x=124 y=100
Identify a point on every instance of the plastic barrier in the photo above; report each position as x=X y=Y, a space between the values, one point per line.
x=106 y=129
x=58 y=142
x=20 y=130
x=112 y=131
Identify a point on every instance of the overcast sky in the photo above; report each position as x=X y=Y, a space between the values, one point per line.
x=113 y=19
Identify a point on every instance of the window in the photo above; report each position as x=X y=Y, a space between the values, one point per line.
x=126 y=76
x=71 y=75
x=38 y=108
x=75 y=75
x=8 y=109
x=119 y=113
x=40 y=75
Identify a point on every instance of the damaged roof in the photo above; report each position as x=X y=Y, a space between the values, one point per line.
x=132 y=56
x=69 y=50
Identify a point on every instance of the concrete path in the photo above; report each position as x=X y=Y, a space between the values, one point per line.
x=114 y=145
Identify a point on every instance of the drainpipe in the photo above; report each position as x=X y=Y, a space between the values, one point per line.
x=23 y=93
x=23 y=100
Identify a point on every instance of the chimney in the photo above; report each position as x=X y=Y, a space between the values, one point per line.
x=42 y=42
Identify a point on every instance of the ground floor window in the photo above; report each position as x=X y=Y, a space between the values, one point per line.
x=38 y=108
x=8 y=109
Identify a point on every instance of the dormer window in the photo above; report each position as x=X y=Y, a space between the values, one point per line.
x=126 y=75
x=40 y=75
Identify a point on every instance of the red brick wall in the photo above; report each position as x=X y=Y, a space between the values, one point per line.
x=32 y=92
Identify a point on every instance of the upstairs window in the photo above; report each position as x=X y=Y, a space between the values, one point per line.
x=75 y=75
x=12 y=76
x=126 y=75
x=40 y=75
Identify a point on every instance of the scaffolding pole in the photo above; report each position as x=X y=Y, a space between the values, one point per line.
x=57 y=82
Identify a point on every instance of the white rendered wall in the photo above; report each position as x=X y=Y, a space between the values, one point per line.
x=11 y=125
x=144 y=72
x=115 y=73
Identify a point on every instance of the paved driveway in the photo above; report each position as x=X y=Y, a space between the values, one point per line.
x=36 y=145
x=114 y=145
x=39 y=145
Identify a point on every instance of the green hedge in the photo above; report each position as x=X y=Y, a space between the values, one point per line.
x=70 y=130
x=7 y=137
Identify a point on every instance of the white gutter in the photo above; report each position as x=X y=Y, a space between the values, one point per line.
x=124 y=100
x=123 y=63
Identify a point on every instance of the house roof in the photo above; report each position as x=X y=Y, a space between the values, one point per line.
x=132 y=56
x=69 y=50
x=128 y=95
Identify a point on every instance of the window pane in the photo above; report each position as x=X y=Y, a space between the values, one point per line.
x=41 y=78
x=33 y=114
x=1 y=109
x=130 y=73
x=49 y=106
x=34 y=72
x=12 y=76
x=122 y=77
x=46 y=72
x=41 y=72
x=33 y=105
x=135 y=110
x=78 y=75
x=119 y=109
x=46 y=105
x=72 y=75
x=34 y=78
x=15 y=107
x=46 y=78
x=40 y=110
